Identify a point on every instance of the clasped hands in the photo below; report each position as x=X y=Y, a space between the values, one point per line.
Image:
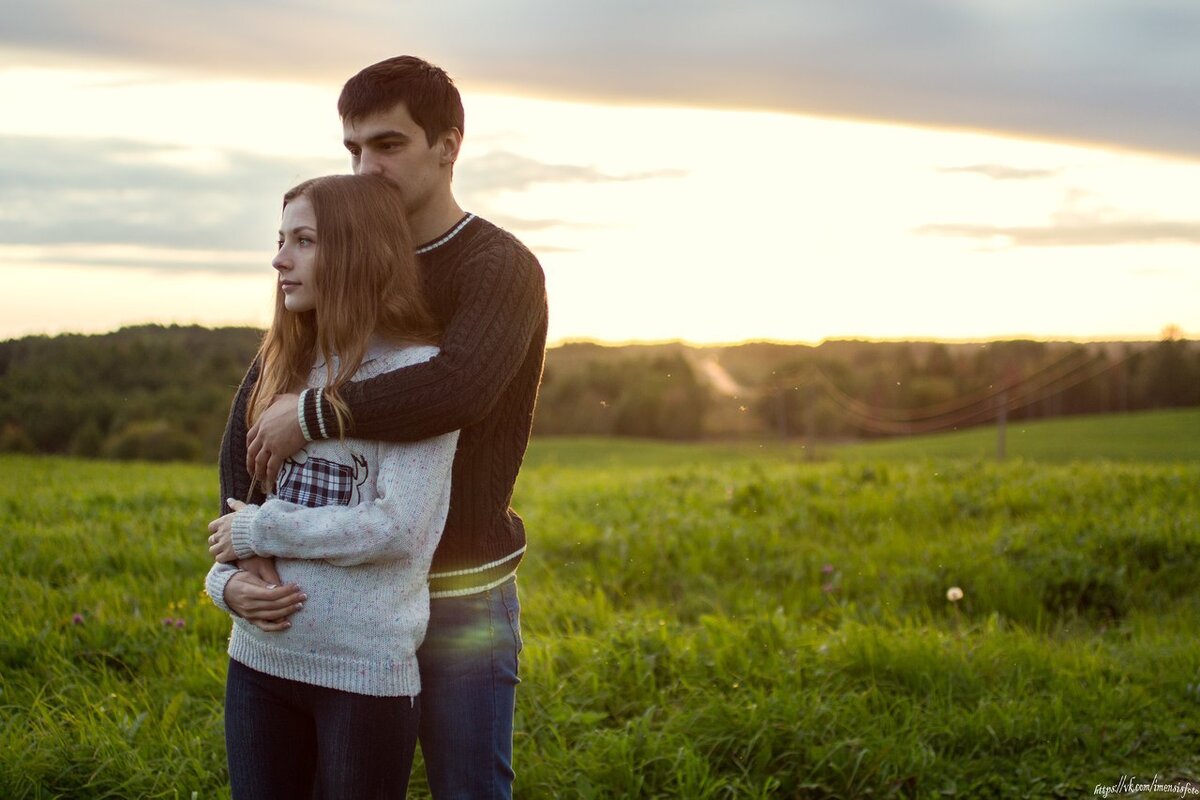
x=256 y=592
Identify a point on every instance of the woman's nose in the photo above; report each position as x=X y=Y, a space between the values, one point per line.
x=281 y=262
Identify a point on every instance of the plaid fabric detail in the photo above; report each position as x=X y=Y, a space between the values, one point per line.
x=317 y=482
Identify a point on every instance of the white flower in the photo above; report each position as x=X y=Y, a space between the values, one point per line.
x=954 y=594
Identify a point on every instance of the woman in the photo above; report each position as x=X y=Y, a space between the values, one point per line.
x=331 y=700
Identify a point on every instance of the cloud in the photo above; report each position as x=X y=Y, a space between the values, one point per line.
x=1118 y=72
x=1002 y=173
x=154 y=259
x=1077 y=230
x=108 y=192
x=500 y=170
x=119 y=203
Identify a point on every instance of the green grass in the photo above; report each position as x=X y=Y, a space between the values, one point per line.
x=699 y=623
x=1146 y=436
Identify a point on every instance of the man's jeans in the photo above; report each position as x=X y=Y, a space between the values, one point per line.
x=468 y=690
x=286 y=739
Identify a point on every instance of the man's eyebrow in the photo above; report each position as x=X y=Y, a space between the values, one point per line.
x=378 y=137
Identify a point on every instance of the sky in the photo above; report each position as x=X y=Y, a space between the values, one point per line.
x=708 y=171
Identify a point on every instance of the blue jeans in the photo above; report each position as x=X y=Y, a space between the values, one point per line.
x=468 y=692
x=285 y=739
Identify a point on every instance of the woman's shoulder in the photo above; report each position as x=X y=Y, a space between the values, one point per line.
x=385 y=356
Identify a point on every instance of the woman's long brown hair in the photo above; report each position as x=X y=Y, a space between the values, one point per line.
x=366 y=283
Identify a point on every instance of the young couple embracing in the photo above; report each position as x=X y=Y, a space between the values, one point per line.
x=375 y=440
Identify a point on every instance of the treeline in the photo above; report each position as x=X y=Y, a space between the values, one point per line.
x=864 y=389
x=150 y=392
x=163 y=392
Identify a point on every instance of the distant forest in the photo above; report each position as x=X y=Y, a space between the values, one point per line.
x=163 y=393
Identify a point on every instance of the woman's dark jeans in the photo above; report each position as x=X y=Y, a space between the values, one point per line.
x=286 y=739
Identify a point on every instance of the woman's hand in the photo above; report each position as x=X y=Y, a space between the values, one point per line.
x=220 y=540
x=266 y=606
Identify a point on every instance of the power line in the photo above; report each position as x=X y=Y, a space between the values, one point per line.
x=1048 y=372
x=1023 y=394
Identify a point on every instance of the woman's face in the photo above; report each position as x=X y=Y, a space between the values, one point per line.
x=296 y=260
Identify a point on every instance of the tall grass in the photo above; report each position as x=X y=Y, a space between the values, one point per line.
x=728 y=628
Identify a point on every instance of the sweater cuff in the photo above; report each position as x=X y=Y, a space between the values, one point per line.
x=316 y=414
x=301 y=416
x=214 y=585
x=242 y=539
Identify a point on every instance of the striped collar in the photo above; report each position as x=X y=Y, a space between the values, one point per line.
x=462 y=223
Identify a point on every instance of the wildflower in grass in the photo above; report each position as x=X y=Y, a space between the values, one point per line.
x=827 y=569
x=179 y=623
x=828 y=588
x=77 y=619
x=954 y=594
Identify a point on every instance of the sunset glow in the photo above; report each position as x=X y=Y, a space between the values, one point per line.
x=147 y=193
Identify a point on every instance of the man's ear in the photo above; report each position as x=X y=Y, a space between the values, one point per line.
x=450 y=143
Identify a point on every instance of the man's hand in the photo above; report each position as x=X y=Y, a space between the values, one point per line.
x=265 y=605
x=275 y=436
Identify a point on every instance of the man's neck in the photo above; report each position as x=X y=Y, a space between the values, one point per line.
x=434 y=219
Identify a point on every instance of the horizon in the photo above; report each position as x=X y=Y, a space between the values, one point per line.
x=1171 y=333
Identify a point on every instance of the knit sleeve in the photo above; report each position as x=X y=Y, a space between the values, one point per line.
x=235 y=480
x=500 y=307
x=214 y=585
x=406 y=520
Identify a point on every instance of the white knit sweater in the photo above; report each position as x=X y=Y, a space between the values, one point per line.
x=354 y=523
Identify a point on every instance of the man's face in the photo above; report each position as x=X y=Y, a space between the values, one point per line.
x=391 y=144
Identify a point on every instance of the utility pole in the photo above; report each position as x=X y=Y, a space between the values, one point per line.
x=1001 y=423
x=781 y=411
x=810 y=424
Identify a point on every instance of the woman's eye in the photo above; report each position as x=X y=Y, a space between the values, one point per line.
x=304 y=240
x=279 y=244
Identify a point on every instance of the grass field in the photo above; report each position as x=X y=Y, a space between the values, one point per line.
x=700 y=622
x=1148 y=436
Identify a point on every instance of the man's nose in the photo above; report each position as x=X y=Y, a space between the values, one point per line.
x=368 y=164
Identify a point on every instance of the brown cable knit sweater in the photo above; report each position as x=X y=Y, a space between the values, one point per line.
x=488 y=291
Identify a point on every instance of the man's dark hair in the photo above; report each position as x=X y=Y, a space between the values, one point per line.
x=427 y=92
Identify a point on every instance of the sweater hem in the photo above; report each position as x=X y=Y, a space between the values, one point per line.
x=390 y=678
x=460 y=582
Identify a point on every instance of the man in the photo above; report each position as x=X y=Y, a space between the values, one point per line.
x=403 y=118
